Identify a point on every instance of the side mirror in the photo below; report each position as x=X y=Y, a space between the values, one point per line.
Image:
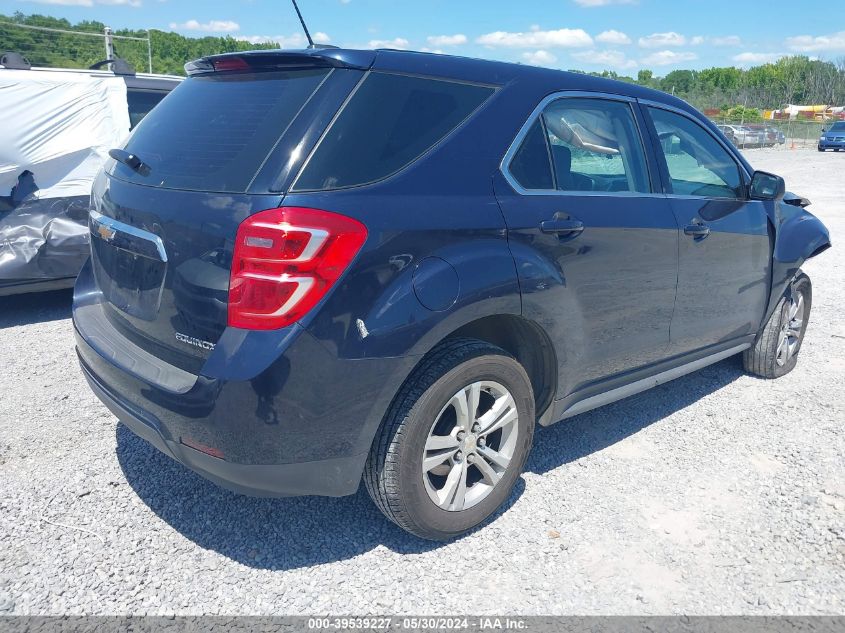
x=766 y=186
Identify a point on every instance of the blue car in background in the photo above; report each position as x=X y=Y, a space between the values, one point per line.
x=312 y=268
x=833 y=137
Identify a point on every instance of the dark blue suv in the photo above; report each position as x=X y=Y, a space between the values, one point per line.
x=314 y=267
x=833 y=137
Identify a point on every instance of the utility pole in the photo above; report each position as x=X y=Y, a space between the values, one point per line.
x=109 y=44
x=149 y=51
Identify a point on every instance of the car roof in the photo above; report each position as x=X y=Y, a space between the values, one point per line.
x=469 y=69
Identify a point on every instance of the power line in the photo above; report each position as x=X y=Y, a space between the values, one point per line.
x=107 y=35
x=51 y=30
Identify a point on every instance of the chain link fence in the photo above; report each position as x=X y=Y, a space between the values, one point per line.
x=773 y=133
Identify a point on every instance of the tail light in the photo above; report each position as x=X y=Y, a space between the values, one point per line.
x=285 y=260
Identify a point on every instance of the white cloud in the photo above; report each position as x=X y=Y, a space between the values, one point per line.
x=809 y=43
x=602 y=3
x=668 y=58
x=90 y=3
x=397 y=42
x=447 y=40
x=613 y=37
x=296 y=40
x=725 y=40
x=213 y=26
x=560 y=38
x=345 y=1
x=728 y=40
x=659 y=40
x=606 y=59
x=539 y=58
x=756 y=58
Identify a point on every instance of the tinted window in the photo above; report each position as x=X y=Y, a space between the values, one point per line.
x=698 y=164
x=531 y=166
x=595 y=146
x=140 y=104
x=213 y=133
x=390 y=121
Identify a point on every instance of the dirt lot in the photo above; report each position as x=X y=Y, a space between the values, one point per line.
x=717 y=493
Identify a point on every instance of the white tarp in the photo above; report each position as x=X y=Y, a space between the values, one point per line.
x=56 y=129
x=60 y=126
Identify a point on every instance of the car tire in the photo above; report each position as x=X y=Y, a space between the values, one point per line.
x=820 y=149
x=422 y=501
x=775 y=350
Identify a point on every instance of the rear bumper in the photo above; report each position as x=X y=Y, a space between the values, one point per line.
x=330 y=477
x=283 y=415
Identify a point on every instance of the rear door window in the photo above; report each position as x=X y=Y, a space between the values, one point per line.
x=595 y=146
x=390 y=121
x=214 y=132
x=582 y=145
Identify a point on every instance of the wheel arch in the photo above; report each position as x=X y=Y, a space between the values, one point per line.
x=799 y=236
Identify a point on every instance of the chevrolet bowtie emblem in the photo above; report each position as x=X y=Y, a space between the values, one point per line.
x=106 y=232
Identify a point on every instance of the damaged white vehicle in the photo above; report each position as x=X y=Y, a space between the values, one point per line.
x=59 y=125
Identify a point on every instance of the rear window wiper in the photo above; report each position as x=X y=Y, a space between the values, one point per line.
x=130 y=160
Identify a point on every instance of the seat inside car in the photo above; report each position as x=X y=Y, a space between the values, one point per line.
x=566 y=180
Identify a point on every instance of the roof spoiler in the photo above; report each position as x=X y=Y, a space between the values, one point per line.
x=250 y=61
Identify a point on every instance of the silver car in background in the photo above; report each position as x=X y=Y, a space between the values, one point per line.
x=743 y=136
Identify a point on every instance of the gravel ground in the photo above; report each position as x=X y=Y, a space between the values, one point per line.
x=717 y=493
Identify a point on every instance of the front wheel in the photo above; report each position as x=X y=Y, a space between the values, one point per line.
x=775 y=350
x=454 y=442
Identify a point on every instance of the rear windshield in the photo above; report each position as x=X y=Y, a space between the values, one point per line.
x=389 y=121
x=213 y=133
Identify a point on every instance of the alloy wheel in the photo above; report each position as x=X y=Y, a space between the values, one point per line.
x=470 y=445
x=790 y=333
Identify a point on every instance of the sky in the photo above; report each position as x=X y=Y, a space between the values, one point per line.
x=619 y=35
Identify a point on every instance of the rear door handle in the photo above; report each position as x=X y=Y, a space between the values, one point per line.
x=560 y=226
x=698 y=231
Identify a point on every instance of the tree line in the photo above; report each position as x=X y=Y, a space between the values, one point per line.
x=796 y=79
x=170 y=51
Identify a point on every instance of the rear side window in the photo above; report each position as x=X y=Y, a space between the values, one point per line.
x=389 y=122
x=213 y=132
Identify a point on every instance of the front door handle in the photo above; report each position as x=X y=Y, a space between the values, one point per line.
x=569 y=226
x=698 y=231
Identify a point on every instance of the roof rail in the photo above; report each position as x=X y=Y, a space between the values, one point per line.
x=14 y=60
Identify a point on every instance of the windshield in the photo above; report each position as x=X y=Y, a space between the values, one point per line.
x=838 y=127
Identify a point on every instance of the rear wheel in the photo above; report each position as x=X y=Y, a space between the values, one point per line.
x=454 y=441
x=775 y=351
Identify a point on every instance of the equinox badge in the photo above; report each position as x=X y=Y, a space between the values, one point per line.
x=192 y=340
